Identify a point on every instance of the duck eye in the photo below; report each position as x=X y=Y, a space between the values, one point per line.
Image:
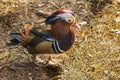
x=68 y=20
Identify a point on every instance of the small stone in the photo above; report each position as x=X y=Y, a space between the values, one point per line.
x=116 y=31
x=39 y=60
x=118 y=1
x=106 y=72
x=52 y=63
x=83 y=23
x=117 y=19
x=66 y=70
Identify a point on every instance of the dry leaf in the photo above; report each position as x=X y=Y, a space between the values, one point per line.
x=4 y=54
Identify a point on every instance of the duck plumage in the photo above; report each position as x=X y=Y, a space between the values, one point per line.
x=58 y=39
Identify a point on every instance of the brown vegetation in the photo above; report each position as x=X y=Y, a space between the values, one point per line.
x=94 y=56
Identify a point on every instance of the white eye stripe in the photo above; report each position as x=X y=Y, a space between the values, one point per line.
x=66 y=16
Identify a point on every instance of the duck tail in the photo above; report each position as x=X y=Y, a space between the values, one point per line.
x=16 y=39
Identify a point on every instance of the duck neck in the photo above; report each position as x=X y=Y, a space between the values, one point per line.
x=64 y=35
x=67 y=41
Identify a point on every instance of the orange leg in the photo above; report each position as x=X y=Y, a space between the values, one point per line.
x=51 y=59
x=45 y=60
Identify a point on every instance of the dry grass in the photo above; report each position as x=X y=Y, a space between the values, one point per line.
x=95 y=55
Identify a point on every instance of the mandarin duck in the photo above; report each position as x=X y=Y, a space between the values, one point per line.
x=57 y=40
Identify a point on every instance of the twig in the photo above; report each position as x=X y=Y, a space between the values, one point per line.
x=6 y=65
x=41 y=13
x=52 y=3
x=7 y=10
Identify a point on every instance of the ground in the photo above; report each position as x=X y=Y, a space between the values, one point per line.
x=95 y=54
